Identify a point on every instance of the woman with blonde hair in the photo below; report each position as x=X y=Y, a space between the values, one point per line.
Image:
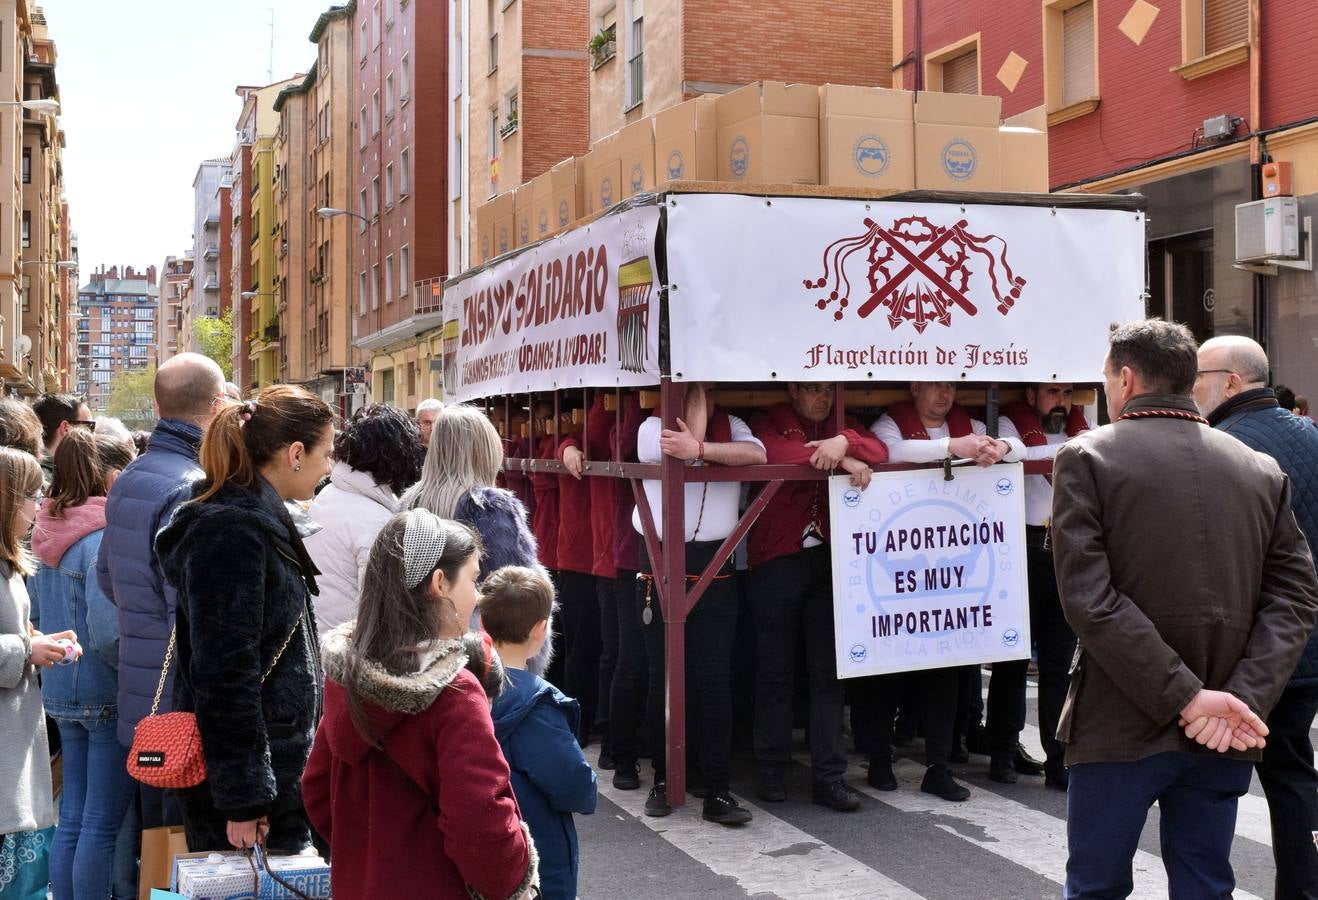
x=26 y=807
x=457 y=482
x=245 y=649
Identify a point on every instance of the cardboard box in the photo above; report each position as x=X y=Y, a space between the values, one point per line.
x=568 y=185
x=603 y=170
x=1036 y=118
x=483 y=239
x=1024 y=159
x=542 y=192
x=636 y=157
x=686 y=141
x=768 y=132
x=956 y=142
x=211 y=876
x=866 y=137
x=504 y=223
x=522 y=203
x=159 y=847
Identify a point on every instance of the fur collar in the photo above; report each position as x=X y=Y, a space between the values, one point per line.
x=411 y=693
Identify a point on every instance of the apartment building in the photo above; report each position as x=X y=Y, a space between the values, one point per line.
x=1182 y=102
x=292 y=276
x=400 y=211
x=173 y=296
x=209 y=293
x=116 y=328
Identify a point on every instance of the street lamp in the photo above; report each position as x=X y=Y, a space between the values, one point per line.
x=45 y=105
x=333 y=212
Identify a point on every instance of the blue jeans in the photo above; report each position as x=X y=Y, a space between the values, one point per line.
x=1106 y=807
x=97 y=791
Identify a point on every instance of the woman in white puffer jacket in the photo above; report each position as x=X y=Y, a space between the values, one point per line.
x=377 y=456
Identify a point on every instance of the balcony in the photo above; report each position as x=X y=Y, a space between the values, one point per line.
x=509 y=128
x=212 y=284
x=212 y=251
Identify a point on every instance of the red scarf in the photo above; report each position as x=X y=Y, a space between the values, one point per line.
x=717 y=431
x=1026 y=420
x=912 y=428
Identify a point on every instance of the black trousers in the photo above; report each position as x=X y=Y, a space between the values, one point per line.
x=580 y=613
x=1291 y=785
x=627 y=694
x=710 y=631
x=1055 y=643
x=792 y=597
x=934 y=693
x=606 y=596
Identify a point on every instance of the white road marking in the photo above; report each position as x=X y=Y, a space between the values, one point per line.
x=768 y=855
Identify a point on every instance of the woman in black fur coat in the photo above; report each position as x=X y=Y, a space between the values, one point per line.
x=457 y=482
x=247 y=661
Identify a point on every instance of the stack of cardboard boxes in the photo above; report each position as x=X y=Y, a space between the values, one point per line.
x=774 y=133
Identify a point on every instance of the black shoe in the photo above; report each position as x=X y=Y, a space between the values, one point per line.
x=1024 y=763
x=836 y=795
x=1056 y=776
x=1000 y=769
x=769 y=787
x=723 y=809
x=880 y=776
x=959 y=753
x=626 y=777
x=938 y=781
x=657 y=803
x=977 y=740
x=606 y=762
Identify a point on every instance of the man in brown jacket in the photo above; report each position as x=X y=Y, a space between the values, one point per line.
x=1192 y=592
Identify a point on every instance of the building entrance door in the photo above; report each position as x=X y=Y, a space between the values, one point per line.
x=1181 y=282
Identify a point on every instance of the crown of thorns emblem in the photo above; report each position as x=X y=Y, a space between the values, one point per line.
x=917 y=271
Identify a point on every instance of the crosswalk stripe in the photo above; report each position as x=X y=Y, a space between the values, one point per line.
x=768 y=856
x=1252 y=821
x=1020 y=834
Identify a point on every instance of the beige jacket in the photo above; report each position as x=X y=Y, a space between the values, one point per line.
x=1180 y=567
x=25 y=793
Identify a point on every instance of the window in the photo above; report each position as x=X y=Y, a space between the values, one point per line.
x=389 y=96
x=375 y=113
x=389 y=186
x=389 y=278
x=364 y=42
x=1214 y=35
x=636 y=57
x=405 y=172
x=375 y=26
x=375 y=286
x=459 y=166
x=954 y=69
x=387 y=386
x=365 y=213
x=1070 y=59
x=27 y=165
x=27 y=228
x=405 y=78
x=27 y=293
x=361 y=293
x=404 y=270
x=361 y=127
x=375 y=196
x=493 y=12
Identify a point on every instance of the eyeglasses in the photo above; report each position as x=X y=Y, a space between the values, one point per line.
x=1202 y=372
x=84 y=423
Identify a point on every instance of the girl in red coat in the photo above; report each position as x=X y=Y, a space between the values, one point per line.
x=406 y=780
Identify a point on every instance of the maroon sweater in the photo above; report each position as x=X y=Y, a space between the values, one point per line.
x=544 y=521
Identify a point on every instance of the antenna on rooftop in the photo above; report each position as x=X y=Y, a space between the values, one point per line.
x=270 y=71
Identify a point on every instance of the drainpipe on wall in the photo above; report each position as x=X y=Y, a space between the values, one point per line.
x=1256 y=157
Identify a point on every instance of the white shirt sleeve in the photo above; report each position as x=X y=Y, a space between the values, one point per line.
x=741 y=432
x=647 y=440
x=1017 y=451
x=901 y=450
x=1008 y=431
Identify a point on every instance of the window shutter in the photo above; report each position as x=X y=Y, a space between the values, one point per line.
x=1226 y=22
x=961 y=74
x=1078 y=54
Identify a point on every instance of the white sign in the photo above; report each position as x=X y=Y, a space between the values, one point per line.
x=929 y=573
x=580 y=310
x=801 y=289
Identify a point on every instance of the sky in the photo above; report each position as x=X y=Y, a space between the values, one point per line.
x=147 y=93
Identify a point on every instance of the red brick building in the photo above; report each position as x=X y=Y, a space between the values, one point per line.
x=1180 y=100
x=400 y=178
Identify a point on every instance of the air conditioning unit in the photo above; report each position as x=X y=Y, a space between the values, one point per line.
x=1268 y=230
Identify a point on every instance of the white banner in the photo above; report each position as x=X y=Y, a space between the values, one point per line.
x=929 y=573
x=580 y=310
x=840 y=290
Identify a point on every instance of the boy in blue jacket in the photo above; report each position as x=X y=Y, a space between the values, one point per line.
x=536 y=725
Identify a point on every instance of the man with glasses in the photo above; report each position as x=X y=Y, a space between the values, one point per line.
x=189 y=391
x=1231 y=389
x=58 y=413
x=930 y=427
x=791 y=589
